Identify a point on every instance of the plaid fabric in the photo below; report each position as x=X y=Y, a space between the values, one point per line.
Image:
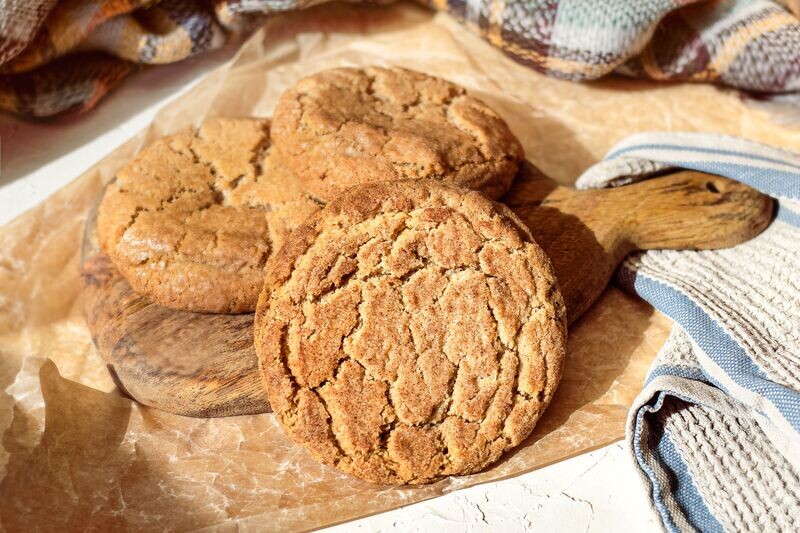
x=735 y=42
x=752 y=45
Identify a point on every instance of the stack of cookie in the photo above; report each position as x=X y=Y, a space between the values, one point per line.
x=407 y=326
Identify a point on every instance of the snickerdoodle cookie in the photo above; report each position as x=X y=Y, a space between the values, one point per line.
x=346 y=127
x=410 y=330
x=192 y=220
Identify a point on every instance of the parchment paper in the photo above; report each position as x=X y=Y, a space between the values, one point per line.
x=75 y=453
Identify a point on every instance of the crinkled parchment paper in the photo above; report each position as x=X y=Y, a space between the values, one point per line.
x=76 y=453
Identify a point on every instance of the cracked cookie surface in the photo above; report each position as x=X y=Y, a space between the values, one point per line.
x=192 y=220
x=344 y=127
x=409 y=331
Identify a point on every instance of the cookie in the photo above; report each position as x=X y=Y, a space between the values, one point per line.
x=192 y=220
x=345 y=127
x=409 y=331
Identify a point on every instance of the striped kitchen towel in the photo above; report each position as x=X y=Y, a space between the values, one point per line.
x=716 y=431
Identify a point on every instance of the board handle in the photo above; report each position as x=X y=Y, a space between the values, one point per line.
x=588 y=233
x=690 y=210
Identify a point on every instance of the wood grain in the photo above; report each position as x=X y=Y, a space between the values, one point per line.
x=186 y=363
x=588 y=233
x=205 y=365
x=192 y=364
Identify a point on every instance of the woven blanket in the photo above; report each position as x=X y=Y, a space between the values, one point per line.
x=64 y=55
x=716 y=430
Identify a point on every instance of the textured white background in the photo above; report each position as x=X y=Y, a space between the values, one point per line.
x=597 y=491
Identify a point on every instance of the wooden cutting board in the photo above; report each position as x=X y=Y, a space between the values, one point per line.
x=205 y=365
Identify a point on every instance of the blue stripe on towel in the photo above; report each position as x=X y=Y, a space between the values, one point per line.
x=658 y=493
x=788 y=216
x=683 y=488
x=680 y=371
x=683 y=148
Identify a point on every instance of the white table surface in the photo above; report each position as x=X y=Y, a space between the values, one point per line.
x=597 y=491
